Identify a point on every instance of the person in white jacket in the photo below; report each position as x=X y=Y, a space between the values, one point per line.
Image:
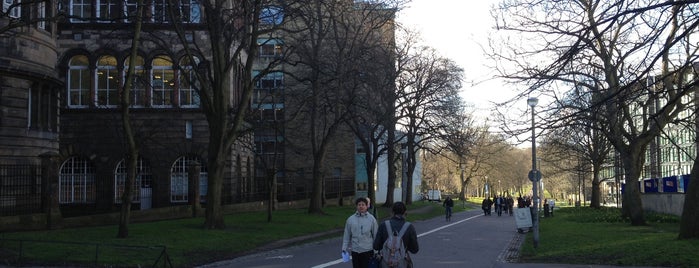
x=360 y=231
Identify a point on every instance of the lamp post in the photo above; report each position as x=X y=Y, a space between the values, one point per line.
x=534 y=176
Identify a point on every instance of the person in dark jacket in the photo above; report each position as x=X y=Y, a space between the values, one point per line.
x=397 y=221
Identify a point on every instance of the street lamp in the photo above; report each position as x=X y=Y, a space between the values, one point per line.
x=534 y=176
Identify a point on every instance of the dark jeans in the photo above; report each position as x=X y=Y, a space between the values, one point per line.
x=361 y=260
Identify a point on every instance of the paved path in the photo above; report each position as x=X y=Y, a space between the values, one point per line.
x=469 y=240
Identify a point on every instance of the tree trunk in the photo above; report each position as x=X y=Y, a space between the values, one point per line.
x=595 y=199
x=391 y=163
x=216 y=166
x=632 y=206
x=125 y=214
x=689 y=223
x=316 y=204
x=272 y=184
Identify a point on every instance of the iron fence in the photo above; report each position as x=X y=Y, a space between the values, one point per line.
x=44 y=252
x=20 y=189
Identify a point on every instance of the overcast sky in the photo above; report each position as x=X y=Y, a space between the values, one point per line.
x=458 y=29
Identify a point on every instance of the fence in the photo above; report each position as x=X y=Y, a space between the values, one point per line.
x=20 y=189
x=18 y=251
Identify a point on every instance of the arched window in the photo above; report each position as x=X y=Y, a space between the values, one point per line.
x=163 y=82
x=179 y=180
x=78 y=82
x=76 y=182
x=143 y=180
x=188 y=94
x=139 y=84
x=107 y=82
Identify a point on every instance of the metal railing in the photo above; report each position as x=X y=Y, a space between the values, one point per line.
x=24 y=251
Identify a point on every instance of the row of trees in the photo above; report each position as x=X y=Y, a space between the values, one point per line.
x=614 y=75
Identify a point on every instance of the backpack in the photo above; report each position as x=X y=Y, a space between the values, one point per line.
x=393 y=252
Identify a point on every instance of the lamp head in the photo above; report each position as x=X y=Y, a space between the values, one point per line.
x=532 y=101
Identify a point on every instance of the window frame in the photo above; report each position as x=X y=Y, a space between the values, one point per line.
x=165 y=90
x=179 y=180
x=111 y=91
x=85 y=8
x=84 y=89
x=76 y=182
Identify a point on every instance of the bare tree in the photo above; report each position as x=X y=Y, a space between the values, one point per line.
x=129 y=136
x=427 y=93
x=331 y=42
x=629 y=55
x=583 y=139
x=224 y=78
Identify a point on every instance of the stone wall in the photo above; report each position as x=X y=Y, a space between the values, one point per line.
x=668 y=203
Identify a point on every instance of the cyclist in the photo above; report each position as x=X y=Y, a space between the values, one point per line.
x=448 y=204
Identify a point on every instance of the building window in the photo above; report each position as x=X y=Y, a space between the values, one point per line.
x=108 y=10
x=76 y=182
x=272 y=15
x=107 y=82
x=179 y=180
x=190 y=11
x=163 y=82
x=12 y=8
x=270 y=48
x=130 y=9
x=42 y=109
x=139 y=82
x=78 y=82
x=160 y=13
x=143 y=180
x=188 y=84
x=41 y=15
x=80 y=10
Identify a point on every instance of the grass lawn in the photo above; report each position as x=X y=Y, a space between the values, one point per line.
x=187 y=243
x=574 y=235
x=589 y=236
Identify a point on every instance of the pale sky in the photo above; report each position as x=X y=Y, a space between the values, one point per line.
x=457 y=29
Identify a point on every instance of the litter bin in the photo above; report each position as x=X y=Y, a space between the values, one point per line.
x=546 y=210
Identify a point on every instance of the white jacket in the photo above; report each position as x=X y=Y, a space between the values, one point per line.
x=360 y=230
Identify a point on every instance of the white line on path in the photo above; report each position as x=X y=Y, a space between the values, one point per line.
x=327 y=264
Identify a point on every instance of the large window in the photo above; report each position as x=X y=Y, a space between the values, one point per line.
x=41 y=15
x=130 y=9
x=190 y=12
x=188 y=83
x=12 y=8
x=143 y=179
x=80 y=10
x=76 y=182
x=163 y=81
x=139 y=82
x=78 y=82
x=107 y=82
x=270 y=48
x=108 y=10
x=160 y=12
x=42 y=108
x=179 y=180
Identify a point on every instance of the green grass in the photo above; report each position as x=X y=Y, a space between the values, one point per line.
x=187 y=243
x=602 y=237
x=574 y=235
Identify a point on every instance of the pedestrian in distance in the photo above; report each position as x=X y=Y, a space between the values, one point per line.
x=390 y=231
x=499 y=203
x=448 y=205
x=360 y=231
x=485 y=205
